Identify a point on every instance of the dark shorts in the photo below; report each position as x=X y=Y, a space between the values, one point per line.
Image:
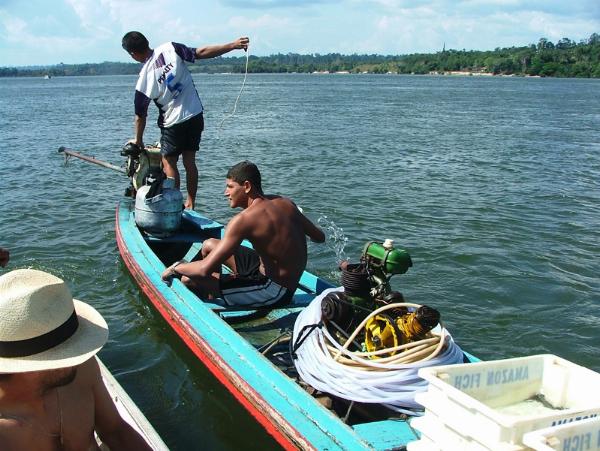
x=182 y=137
x=249 y=287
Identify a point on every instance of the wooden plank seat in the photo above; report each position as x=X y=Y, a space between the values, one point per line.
x=193 y=229
x=192 y=251
x=299 y=300
x=178 y=237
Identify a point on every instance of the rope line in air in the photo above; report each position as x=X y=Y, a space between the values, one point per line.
x=239 y=93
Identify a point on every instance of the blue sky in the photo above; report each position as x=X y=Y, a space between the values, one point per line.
x=43 y=32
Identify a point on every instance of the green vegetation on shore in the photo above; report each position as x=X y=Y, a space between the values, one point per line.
x=566 y=58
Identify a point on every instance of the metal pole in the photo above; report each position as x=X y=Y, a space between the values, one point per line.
x=72 y=153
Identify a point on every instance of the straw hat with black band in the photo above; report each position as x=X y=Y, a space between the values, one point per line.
x=42 y=327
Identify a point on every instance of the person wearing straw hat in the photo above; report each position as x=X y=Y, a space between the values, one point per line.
x=51 y=392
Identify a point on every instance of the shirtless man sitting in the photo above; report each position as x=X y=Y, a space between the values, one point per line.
x=263 y=276
x=51 y=392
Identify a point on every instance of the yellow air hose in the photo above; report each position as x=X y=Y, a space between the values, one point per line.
x=420 y=350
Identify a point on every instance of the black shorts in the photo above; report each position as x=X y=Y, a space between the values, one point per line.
x=182 y=137
x=249 y=287
x=247 y=263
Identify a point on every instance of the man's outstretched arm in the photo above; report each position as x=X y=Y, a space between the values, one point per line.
x=311 y=230
x=212 y=51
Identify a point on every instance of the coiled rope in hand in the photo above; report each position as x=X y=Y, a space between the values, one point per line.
x=326 y=365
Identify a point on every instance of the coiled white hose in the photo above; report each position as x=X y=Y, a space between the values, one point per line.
x=327 y=366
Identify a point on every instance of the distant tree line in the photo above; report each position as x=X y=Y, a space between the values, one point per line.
x=106 y=68
x=565 y=58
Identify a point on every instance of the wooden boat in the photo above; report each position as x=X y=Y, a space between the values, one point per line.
x=129 y=411
x=229 y=344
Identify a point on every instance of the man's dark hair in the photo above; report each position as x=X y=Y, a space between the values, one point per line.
x=246 y=170
x=134 y=41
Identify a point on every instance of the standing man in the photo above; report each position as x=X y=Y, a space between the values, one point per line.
x=269 y=273
x=166 y=80
x=51 y=391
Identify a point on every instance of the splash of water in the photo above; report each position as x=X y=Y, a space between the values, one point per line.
x=336 y=239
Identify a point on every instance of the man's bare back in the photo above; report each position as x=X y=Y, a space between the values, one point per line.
x=277 y=232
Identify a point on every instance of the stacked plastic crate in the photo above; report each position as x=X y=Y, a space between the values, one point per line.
x=493 y=405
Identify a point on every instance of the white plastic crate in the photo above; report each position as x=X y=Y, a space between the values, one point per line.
x=580 y=435
x=424 y=444
x=447 y=439
x=496 y=402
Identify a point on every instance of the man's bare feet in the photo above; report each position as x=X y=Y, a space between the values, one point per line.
x=188 y=205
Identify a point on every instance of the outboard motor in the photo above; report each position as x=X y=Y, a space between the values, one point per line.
x=158 y=204
x=142 y=164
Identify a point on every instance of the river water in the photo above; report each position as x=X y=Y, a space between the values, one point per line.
x=491 y=184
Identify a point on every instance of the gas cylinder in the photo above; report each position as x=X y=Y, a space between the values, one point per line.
x=159 y=215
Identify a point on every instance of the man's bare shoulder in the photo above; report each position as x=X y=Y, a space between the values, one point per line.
x=281 y=201
x=88 y=373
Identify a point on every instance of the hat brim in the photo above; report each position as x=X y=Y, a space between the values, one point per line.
x=89 y=338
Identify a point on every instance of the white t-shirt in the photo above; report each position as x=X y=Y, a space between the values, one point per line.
x=166 y=79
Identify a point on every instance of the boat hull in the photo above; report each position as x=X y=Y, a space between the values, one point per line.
x=286 y=411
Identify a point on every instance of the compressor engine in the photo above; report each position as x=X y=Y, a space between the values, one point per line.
x=364 y=346
x=366 y=288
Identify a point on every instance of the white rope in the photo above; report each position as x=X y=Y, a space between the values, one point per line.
x=361 y=379
x=240 y=93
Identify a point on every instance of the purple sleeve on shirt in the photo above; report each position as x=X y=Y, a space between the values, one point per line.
x=141 y=102
x=186 y=53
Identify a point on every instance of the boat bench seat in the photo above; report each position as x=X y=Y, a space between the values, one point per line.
x=179 y=237
x=212 y=229
x=299 y=300
x=386 y=434
x=193 y=239
x=192 y=251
